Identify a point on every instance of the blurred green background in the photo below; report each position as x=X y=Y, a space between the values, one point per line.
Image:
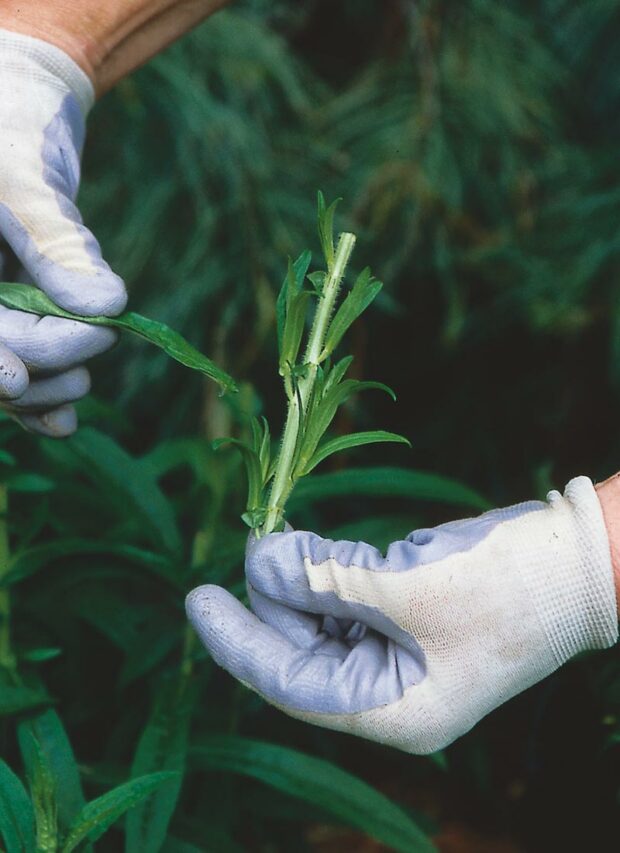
x=475 y=145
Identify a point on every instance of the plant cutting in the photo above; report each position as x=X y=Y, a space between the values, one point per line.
x=315 y=386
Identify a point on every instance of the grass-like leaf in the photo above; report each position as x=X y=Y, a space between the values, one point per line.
x=45 y=735
x=346 y=442
x=16 y=813
x=162 y=746
x=315 y=781
x=386 y=482
x=25 y=297
x=16 y=699
x=356 y=302
x=98 y=816
x=300 y=269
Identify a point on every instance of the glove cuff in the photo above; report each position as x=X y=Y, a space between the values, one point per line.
x=570 y=576
x=43 y=61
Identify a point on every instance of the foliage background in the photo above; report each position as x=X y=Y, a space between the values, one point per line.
x=475 y=146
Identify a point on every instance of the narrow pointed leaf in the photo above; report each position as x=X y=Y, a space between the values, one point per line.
x=300 y=268
x=43 y=787
x=99 y=815
x=346 y=442
x=162 y=746
x=24 y=297
x=16 y=813
x=16 y=699
x=386 y=482
x=48 y=733
x=294 y=328
x=318 y=782
x=326 y=227
x=320 y=418
x=252 y=465
x=337 y=372
x=355 y=303
x=131 y=479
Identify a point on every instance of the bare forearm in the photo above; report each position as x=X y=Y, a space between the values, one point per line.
x=110 y=39
x=609 y=497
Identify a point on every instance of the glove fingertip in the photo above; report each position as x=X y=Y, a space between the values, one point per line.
x=57 y=423
x=14 y=379
x=102 y=293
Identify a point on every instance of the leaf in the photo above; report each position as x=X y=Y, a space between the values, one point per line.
x=16 y=813
x=49 y=733
x=323 y=412
x=252 y=466
x=16 y=699
x=293 y=329
x=42 y=790
x=30 y=483
x=315 y=781
x=356 y=302
x=97 y=817
x=162 y=746
x=31 y=560
x=326 y=227
x=346 y=442
x=40 y=655
x=336 y=373
x=25 y=297
x=153 y=643
x=7 y=458
x=300 y=268
x=131 y=479
x=386 y=482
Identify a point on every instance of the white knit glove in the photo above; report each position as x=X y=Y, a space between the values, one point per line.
x=413 y=649
x=44 y=100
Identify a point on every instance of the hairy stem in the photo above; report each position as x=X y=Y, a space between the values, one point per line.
x=283 y=478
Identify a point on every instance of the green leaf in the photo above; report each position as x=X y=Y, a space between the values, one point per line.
x=336 y=373
x=16 y=813
x=16 y=699
x=24 y=297
x=40 y=655
x=346 y=442
x=48 y=732
x=293 y=329
x=162 y=746
x=132 y=481
x=300 y=268
x=97 y=817
x=323 y=412
x=7 y=458
x=30 y=483
x=386 y=482
x=42 y=790
x=31 y=560
x=356 y=302
x=326 y=227
x=315 y=781
x=252 y=466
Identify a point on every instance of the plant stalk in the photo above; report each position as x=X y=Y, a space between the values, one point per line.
x=283 y=478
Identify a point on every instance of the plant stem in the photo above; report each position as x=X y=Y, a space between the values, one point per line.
x=283 y=481
x=7 y=659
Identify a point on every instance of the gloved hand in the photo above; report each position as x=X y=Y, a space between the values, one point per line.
x=413 y=649
x=44 y=100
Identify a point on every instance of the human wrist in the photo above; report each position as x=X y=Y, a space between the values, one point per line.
x=106 y=40
x=608 y=494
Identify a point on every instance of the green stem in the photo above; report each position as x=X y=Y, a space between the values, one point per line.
x=7 y=659
x=283 y=481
